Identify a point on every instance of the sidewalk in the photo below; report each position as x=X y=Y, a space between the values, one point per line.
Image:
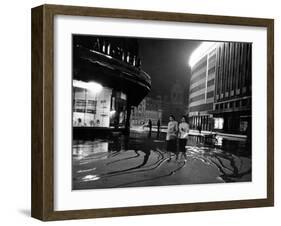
x=228 y=136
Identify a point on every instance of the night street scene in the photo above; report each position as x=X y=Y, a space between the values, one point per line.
x=158 y=112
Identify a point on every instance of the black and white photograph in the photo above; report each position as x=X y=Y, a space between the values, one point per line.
x=160 y=112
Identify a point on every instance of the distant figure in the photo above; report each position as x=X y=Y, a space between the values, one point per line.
x=183 y=136
x=116 y=123
x=158 y=128
x=150 y=127
x=171 y=136
x=79 y=122
x=199 y=128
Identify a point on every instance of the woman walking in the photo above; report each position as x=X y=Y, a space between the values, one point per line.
x=183 y=136
x=171 y=136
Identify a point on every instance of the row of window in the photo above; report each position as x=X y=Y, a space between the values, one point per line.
x=234 y=104
x=201 y=107
x=81 y=105
x=203 y=63
x=201 y=76
x=198 y=77
x=200 y=64
x=201 y=97
x=213 y=56
x=202 y=86
x=212 y=70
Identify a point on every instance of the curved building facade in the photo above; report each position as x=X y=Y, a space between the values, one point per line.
x=107 y=82
x=202 y=87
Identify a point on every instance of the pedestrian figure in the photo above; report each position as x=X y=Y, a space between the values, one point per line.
x=158 y=128
x=150 y=127
x=79 y=122
x=171 y=136
x=199 y=128
x=183 y=136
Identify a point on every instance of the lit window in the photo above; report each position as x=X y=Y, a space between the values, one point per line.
x=218 y=123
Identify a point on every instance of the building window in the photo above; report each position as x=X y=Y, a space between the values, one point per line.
x=244 y=102
x=95 y=105
x=92 y=106
x=79 y=105
x=218 y=123
x=210 y=94
x=211 y=82
x=211 y=70
x=243 y=126
x=217 y=106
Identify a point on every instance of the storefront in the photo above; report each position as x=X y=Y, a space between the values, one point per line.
x=105 y=88
x=204 y=121
x=233 y=122
x=98 y=106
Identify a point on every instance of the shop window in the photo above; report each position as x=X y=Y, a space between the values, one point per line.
x=79 y=105
x=118 y=115
x=243 y=125
x=92 y=104
x=218 y=123
x=91 y=107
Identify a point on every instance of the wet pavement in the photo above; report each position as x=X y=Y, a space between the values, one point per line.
x=143 y=161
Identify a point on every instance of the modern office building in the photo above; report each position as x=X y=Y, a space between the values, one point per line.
x=233 y=93
x=107 y=82
x=220 y=87
x=202 y=86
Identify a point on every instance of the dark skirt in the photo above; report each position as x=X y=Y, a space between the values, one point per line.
x=172 y=145
x=182 y=144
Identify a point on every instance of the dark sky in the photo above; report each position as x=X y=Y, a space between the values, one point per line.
x=166 y=60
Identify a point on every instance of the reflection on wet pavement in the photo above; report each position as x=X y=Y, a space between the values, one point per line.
x=142 y=161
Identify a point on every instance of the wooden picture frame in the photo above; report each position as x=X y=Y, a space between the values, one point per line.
x=43 y=110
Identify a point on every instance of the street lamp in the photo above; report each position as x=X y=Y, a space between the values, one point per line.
x=91 y=86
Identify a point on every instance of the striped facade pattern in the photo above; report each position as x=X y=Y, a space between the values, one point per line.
x=221 y=88
x=202 y=83
x=234 y=76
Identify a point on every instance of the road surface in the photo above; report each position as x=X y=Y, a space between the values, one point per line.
x=143 y=161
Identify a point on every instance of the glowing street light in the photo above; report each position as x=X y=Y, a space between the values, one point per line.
x=91 y=86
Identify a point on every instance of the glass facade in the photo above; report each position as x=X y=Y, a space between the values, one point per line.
x=98 y=106
x=218 y=123
x=118 y=110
